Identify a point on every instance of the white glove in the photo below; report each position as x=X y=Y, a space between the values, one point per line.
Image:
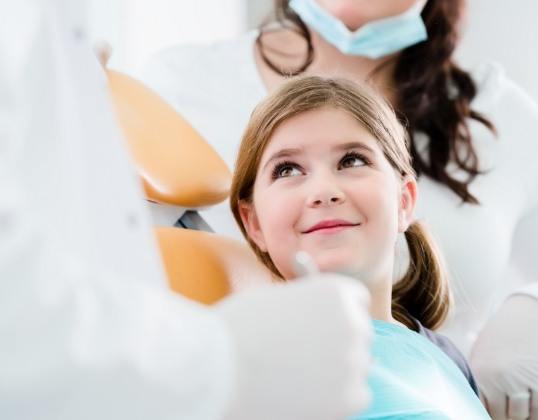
x=505 y=360
x=302 y=349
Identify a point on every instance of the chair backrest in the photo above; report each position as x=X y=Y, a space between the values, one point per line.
x=169 y=155
x=178 y=167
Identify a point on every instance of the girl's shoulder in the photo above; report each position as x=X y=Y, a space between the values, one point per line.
x=448 y=347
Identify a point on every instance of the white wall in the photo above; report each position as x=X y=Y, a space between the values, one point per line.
x=137 y=28
x=507 y=32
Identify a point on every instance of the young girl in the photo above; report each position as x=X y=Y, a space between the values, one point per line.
x=324 y=168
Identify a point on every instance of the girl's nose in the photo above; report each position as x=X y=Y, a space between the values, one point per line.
x=326 y=194
x=332 y=200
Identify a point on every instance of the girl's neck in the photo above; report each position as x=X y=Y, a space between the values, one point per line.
x=287 y=49
x=381 y=300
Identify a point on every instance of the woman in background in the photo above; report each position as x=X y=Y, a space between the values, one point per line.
x=471 y=138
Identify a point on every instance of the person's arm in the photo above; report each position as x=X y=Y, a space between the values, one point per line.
x=505 y=360
x=77 y=343
x=87 y=326
x=505 y=355
x=525 y=253
x=530 y=290
x=85 y=337
x=88 y=329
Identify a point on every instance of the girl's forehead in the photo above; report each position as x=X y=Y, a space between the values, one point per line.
x=323 y=129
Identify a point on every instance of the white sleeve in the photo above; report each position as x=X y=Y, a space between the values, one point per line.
x=87 y=328
x=524 y=255
x=77 y=343
x=529 y=290
x=524 y=259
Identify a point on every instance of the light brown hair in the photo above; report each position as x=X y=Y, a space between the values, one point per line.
x=423 y=291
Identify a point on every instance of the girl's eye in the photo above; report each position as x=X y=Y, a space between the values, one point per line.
x=352 y=160
x=285 y=169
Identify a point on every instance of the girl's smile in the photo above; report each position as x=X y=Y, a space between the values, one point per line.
x=331 y=226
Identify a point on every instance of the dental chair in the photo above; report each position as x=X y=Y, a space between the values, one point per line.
x=182 y=173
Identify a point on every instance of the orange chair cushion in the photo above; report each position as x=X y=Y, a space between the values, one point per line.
x=205 y=266
x=176 y=164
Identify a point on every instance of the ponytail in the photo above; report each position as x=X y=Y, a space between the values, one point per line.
x=423 y=292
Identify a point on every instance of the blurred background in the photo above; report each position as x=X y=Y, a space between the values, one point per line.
x=496 y=30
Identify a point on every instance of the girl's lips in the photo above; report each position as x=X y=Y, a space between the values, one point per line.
x=330 y=226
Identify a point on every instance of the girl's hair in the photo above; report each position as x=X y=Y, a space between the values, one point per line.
x=423 y=291
x=433 y=95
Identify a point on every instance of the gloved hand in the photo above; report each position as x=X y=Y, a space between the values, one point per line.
x=504 y=360
x=302 y=349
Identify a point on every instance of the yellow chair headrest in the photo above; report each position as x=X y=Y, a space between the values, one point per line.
x=206 y=267
x=176 y=164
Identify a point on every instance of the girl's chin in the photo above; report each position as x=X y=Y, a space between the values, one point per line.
x=337 y=264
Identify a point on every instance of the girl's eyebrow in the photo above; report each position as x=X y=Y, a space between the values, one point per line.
x=287 y=153
x=355 y=145
x=282 y=153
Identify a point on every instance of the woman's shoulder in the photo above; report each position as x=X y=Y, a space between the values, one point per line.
x=497 y=91
x=514 y=114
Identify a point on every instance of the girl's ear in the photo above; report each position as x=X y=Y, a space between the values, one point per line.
x=251 y=224
x=408 y=200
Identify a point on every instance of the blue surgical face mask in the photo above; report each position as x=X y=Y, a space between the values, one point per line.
x=374 y=39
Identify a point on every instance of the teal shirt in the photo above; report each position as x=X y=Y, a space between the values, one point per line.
x=413 y=379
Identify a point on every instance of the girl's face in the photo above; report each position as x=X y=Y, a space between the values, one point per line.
x=325 y=187
x=355 y=13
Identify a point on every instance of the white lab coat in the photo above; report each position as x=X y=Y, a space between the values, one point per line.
x=87 y=327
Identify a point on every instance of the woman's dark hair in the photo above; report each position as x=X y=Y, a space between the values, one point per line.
x=433 y=95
